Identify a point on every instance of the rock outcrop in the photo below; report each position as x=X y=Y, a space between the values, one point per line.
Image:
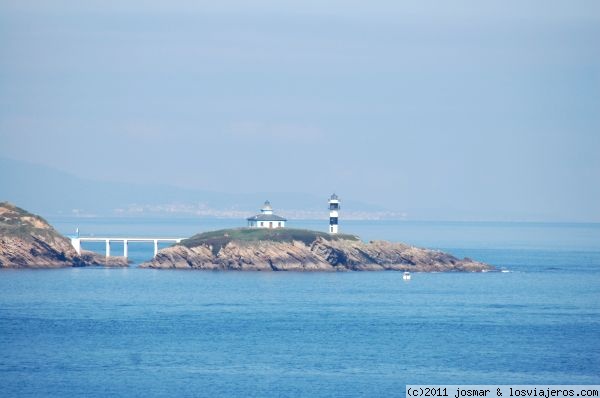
x=299 y=250
x=28 y=241
x=90 y=258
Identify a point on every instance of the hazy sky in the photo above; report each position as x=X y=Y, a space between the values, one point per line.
x=443 y=109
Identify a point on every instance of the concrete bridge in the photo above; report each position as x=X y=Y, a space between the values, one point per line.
x=76 y=242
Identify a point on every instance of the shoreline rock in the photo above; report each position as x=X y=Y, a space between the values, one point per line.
x=29 y=241
x=93 y=259
x=319 y=253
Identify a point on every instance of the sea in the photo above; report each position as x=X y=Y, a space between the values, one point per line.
x=133 y=332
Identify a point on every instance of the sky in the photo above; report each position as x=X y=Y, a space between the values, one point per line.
x=461 y=110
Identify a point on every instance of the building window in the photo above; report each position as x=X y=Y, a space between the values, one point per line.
x=261 y=223
x=279 y=224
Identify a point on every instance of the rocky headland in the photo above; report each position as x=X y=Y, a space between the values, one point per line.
x=286 y=249
x=28 y=241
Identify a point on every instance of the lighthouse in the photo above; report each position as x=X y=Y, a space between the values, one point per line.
x=334 y=207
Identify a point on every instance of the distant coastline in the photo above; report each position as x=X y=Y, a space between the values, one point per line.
x=180 y=211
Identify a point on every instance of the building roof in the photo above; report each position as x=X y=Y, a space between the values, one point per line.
x=334 y=197
x=266 y=217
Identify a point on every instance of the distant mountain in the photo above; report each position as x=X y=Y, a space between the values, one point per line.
x=51 y=192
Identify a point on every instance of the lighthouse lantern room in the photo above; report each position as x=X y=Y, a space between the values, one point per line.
x=334 y=207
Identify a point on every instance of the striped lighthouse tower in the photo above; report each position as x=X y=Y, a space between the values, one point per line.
x=334 y=207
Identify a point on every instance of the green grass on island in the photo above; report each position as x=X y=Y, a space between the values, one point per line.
x=220 y=238
x=20 y=223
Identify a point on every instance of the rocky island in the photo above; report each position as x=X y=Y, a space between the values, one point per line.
x=286 y=249
x=28 y=241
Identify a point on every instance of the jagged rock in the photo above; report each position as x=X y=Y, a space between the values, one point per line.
x=300 y=250
x=95 y=259
x=28 y=241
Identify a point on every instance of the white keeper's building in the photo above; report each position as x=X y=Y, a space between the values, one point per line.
x=266 y=218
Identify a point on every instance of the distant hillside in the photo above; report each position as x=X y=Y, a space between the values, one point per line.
x=51 y=192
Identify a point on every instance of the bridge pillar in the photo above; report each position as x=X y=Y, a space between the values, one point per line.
x=76 y=245
x=155 y=247
x=125 y=249
x=107 y=247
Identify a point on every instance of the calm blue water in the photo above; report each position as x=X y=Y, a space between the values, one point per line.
x=134 y=332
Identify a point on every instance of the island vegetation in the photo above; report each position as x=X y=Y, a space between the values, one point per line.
x=220 y=238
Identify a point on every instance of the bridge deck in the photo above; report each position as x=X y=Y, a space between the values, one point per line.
x=116 y=238
x=76 y=242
